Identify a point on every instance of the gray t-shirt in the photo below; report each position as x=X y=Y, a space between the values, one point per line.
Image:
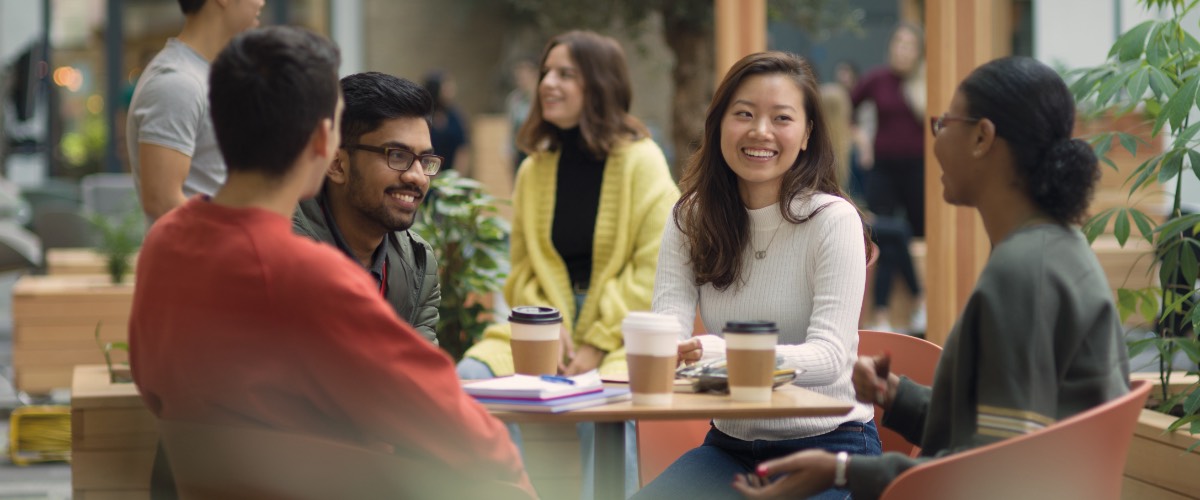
x=170 y=109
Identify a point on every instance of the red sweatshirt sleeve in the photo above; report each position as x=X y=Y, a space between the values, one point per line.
x=396 y=387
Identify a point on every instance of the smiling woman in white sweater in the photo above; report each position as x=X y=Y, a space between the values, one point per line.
x=763 y=232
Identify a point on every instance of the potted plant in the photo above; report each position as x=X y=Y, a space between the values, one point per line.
x=118 y=241
x=1154 y=70
x=471 y=244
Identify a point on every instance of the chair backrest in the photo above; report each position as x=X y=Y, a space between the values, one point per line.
x=223 y=462
x=109 y=194
x=1081 y=457
x=912 y=357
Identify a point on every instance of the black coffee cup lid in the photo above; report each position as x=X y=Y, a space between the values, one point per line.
x=535 y=315
x=750 y=327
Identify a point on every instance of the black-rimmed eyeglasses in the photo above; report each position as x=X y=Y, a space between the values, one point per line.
x=937 y=123
x=402 y=159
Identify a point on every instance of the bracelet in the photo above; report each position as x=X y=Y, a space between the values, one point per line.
x=839 y=471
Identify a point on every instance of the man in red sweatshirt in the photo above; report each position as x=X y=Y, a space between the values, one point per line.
x=238 y=321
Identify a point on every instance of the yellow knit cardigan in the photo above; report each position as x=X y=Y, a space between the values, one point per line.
x=636 y=197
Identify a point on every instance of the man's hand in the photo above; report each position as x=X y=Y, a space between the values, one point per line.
x=805 y=473
x=690 y=351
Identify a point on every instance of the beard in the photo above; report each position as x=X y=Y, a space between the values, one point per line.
x=369 y=202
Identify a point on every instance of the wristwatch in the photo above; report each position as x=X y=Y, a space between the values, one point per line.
x=839 y=471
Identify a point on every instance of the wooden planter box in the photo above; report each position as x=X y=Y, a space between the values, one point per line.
x=1157 y=467
x=80 y=261
x=113 y=438
x=54 y=324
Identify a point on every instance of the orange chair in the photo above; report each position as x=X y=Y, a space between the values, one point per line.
x=912 y=357
x=239 y=463
x=1081 y=457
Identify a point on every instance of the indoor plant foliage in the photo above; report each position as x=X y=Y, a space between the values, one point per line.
x=470 y=241
x=119 y=240
x=1154 y=68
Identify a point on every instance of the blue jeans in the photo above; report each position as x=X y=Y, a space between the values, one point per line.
x=707 y=472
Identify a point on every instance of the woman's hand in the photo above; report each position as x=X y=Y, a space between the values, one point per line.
x=873 y=380
x=805 y=473
x=586 y=358
x=568 y=349
x=690 y=351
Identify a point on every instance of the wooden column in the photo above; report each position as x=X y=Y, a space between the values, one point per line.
x=960 y=36
x=740 y=29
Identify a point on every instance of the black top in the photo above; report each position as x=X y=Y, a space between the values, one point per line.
x=576 y=202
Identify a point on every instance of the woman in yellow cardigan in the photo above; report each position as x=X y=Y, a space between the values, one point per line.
x=591 y=201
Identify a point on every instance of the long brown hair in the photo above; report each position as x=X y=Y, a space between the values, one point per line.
x=710 y=213
x=607 y=96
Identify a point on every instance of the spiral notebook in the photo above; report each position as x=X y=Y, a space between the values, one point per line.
x=559 y=405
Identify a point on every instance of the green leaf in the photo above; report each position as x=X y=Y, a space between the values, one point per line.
x=1127 y=302
x=1196 y=317
x=1110 y=87
x=1136 y=347
x=1171 y=166
x=1145 y=172
x=1189 y=346
x=1138 y=82
x=1178 y=225
x=1121 y=226
x=1187 y=420
x=1187 y=135
x=1178 y=106
x=1160 y=82
x=1187 y=262
x=1129 y=142
x=1148 y=306
x=1194 y=159
x=1132 y=44
x=1097 y=224
x=1144 y=224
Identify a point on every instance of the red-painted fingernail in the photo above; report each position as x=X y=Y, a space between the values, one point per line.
x=761 y=470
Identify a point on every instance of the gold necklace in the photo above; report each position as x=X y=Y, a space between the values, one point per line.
x=762 y=254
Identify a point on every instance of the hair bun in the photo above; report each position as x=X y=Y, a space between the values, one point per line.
x=1064 y=181
x=1067 y=153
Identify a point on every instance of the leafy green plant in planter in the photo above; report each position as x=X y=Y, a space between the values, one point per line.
x=1154 y=68
x=119 y=373
x=118 y=242
x=470 y=241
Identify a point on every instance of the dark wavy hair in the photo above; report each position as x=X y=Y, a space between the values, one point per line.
x=1034 y=112
x=607 y=96
x=710 y=212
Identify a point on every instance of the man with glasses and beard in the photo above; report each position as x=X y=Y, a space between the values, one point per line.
x=373 y=189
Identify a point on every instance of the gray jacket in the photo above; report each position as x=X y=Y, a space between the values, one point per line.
x=412 y=281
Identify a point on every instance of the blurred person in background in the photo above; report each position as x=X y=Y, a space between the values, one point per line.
x=172 y=148
x=449 y=128
x=896 y=182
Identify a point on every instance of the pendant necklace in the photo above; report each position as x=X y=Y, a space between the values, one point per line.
x=762 y=254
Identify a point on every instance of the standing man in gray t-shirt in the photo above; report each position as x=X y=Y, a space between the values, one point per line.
x=172 y=149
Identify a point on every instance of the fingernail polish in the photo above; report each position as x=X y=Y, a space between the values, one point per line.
x=761 y=471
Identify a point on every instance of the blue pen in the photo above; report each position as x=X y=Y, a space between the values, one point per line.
x=558 y=380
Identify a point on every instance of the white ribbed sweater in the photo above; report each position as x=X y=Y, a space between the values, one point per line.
x=810 y=283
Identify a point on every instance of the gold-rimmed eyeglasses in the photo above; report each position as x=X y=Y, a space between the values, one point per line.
x=402 y=159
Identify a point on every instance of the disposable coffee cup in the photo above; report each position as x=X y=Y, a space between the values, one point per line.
x=536 y=341
x=651 y=347
x=750 y=359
